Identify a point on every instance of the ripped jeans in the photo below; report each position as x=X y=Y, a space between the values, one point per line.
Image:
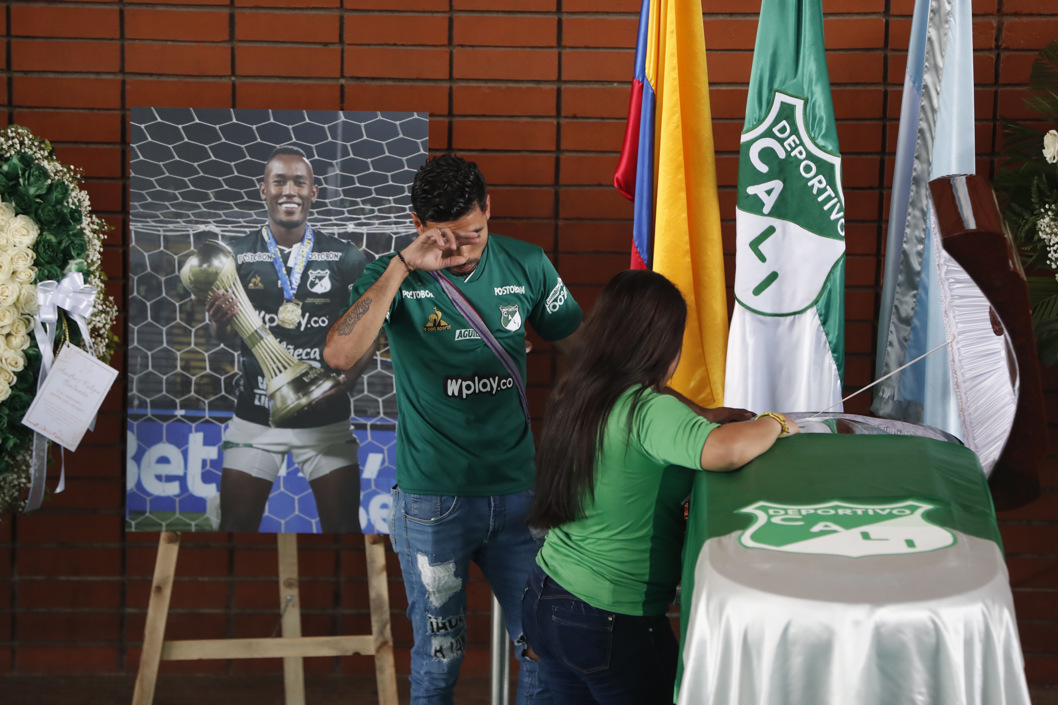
x=435 y=539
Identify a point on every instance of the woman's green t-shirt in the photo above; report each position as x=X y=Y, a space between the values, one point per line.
x=623 y=555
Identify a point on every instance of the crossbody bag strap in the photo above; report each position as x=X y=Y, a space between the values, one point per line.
x=467 y=310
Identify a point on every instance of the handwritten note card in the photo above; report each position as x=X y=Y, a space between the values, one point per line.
x=70 y=397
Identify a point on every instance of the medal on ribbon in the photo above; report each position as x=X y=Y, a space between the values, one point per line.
x=289 y=312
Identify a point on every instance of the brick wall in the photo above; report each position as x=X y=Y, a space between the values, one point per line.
x=534 y=90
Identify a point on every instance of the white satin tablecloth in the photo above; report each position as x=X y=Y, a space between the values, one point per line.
x=860 y=568
x=772 y=628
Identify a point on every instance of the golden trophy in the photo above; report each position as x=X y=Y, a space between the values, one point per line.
x=294 y=386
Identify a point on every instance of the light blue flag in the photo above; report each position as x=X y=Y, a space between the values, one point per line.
x=936 y=139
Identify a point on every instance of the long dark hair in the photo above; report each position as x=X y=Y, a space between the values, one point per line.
x=631 y=338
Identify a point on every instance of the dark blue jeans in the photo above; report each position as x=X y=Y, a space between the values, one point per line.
x=435 y=539
x=588 y=655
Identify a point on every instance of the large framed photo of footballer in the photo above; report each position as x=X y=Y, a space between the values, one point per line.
x=248 y=228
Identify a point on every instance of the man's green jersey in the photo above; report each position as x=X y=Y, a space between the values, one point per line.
x=460 y=427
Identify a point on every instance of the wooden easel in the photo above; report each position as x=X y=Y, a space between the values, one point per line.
x=291 y=646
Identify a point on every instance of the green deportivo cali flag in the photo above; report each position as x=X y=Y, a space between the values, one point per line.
x=853 y=512
x=786 y=347
x=847 y=495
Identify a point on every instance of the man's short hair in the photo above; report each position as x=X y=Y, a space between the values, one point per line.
x=446 y=188
x=287 y=149
x=292 y=150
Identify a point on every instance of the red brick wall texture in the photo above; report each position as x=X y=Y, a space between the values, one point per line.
x=536 y=91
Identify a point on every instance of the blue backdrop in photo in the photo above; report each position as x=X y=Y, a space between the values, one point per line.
x=173 y=467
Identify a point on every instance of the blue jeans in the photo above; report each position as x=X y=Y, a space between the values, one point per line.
x=435 y=539
x=589 y=655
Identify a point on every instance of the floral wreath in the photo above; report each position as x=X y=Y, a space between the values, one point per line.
x=47 y=232
x=1027 y=186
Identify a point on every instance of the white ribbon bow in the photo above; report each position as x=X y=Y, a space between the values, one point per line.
x=75 y=297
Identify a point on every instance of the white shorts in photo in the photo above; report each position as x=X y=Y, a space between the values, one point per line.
x=261 y=450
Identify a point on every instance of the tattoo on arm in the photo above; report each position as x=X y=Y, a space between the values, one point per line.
x=350 y=319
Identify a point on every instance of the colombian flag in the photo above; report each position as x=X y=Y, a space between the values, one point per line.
x=667 y=168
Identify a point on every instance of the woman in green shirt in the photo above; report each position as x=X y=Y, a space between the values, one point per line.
x=616 y=460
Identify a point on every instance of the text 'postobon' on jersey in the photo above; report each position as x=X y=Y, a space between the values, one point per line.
x=323 y=291
x=461 y=430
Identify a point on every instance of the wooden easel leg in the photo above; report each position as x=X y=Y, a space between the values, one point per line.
x=155 y=648
x=157 y=614
x=382 y=636
x=290 y=606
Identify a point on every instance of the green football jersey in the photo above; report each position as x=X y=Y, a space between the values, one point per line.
x=332 y=268
x=460 y=426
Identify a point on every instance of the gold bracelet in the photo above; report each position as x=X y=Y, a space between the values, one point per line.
x=777 y=417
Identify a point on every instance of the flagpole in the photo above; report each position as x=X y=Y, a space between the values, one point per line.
x=877 y=381
x=500 y=652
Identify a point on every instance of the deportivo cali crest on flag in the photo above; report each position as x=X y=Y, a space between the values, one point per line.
x=845 y=529
x=791 y=214
x=786 y=344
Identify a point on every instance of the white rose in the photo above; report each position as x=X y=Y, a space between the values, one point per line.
x=7 y=212
x=6 y=376
x=1050 y=146
x=27 y=300
x=17 y=341
x=21 y=258
x=6 y=268
x=5 y=239
x=8 y=316
x=9 y=292
x=25 y=276
x=21 y=325
x=5 y=391
x=13 y=360
x=23 y=231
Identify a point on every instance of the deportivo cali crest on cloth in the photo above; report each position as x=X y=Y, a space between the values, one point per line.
x=845 y=529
